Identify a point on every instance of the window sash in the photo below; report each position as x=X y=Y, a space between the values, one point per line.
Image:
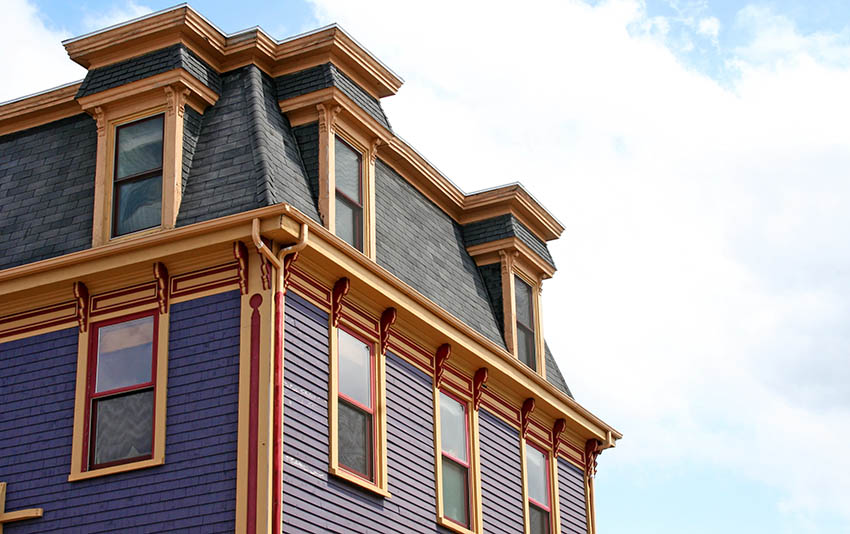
x=135 y=177
x=466 y=494
x=369 y=453
x=356 y=219
x=547 y=514
x=368 y=410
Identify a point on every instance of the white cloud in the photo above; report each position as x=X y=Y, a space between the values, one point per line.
x=33 y=58
x=701 y=302
x=710 y=27
x=115 y=15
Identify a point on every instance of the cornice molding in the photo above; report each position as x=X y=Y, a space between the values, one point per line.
x=39 y=109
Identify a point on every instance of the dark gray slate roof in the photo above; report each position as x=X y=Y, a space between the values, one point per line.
x=47 y=190
x=501 y=227
x=150 y=64
x=246 y=156
x=423 y=246
x=307 y=137
x=327 y=75
x=553 y=373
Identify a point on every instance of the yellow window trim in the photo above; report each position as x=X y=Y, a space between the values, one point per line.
x=552 y=462
x=475 y=510
x=158 y=452
x=380 y=485
x=513 y=269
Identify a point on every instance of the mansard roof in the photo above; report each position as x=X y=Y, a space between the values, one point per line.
x=242 y=153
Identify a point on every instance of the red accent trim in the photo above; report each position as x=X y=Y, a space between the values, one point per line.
x=440 y=359
x=387 y=321
x=546 y=460
x=288 y=263
x=277 y=425
x=592 y=450
x=240 y=252
x=341 y=288
x=525 y=413
x=557 y=432
x=71 y=308
x=140 y=288
x=180 y=278
x=253 y=413
x=478 y=382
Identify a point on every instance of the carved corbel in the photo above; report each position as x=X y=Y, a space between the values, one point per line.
x=592 y=450
x=340 y=290
x=440 y=360
x=373 y=150
x=81 y=295
x=265 y=271
x=288 y=263
x=100 y=118
x=478 y=381
x=176 y=98
x=387 y=321
x=525 y=415
x=557 y=434
x=160 y=273
x=240 y=252
x=327 y=117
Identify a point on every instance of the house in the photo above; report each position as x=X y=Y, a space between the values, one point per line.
x=233 y=299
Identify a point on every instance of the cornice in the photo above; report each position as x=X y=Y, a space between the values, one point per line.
x=39 y=109
x=488 y=253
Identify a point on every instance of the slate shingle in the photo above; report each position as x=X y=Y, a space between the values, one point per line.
x=501 y=227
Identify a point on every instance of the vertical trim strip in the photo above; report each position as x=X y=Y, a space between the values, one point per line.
x=253 y=414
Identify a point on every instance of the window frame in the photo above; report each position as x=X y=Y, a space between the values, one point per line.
x=539 y=346
x=81 y=449
x=551 y=472
x=474 y=511
x=378 y=483
x=359 y=241
x=113 y=221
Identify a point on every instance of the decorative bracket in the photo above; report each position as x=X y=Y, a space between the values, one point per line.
x=160 y=273
x=100 y=118
x=176 y=98
x=525 y=415
x=478 y=382
x=265 y=271
x=373 y=150
x=592 y=450
x=340 y=290
x=327 y=116
x=81 y=294
x=557 y=434
x=387 y=320
x=288 y=263
x=17 y=515
x=440 y=360
x=240 y=252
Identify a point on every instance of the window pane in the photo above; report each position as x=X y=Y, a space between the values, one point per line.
x=124 y=354
x=348 y=225
x=524 y=303
x=455 y=492
x=124 y=427
x=525 y=347
x=347 y=170
x=535 y=465
x=355 y=369
x=355 y=439
x=452 y=427
x=538 y=520
x=138 y=205
x=139 y=147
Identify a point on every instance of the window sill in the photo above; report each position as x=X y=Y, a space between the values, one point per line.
x=359 y=482
x=104 y=471
x=454 y=527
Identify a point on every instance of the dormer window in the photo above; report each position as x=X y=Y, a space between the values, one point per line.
x=137 y=198
x=348 y=165
x=526 y=346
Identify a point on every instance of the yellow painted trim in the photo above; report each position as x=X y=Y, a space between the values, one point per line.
x=17 y=515
x=78 y=435
x=523 y=463
x=39 y=109
x=539 y=341
x=243 y=419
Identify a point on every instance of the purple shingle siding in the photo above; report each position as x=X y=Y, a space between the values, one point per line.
x=314 y=501
x=501 y=475
x=193 y=492
x=571 y=498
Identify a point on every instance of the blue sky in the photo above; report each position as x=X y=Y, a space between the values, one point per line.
x=698 y=154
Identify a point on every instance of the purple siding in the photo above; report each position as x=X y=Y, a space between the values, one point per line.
x=501 y=475
x=571 y=498
x=194 y=491
x=314 y=501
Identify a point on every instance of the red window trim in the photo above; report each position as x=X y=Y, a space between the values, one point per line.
x=89 y=427
x=545 y=507
x=466 y=465
x=370 y=410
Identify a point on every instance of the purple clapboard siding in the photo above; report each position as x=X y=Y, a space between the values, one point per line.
x=501 y=475
x=313 y=500
x=571 y=498
x=195 y=491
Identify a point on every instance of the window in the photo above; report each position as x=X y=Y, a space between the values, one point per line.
x=358 y=429
x=137 y=185
x=121 y=387
x=454 y=445
x=538 y=490
x=348 y=165
x=525 y=335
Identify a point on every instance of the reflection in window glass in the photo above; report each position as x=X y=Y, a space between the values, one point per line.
x=137 y=190
x=537 y=481
x=355 y=369
x=355 y=439
x=453 y=427
x=526 y=344
x=349 y=194
x=455 y=492
x=125 y=354
x=355 y=405
x=455 y=459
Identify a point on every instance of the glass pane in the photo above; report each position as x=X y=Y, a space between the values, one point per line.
x=139 y=147
x=124 y=427
x=523 y=303
x=347 y=170
x=455 y=496
x=525 y=347
x=348 y=225
x=355 y=439
x=355 y=369
x=138 y=205
x=535 y=465
x=124 y=354
x=452 y=427
x=538 y=520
